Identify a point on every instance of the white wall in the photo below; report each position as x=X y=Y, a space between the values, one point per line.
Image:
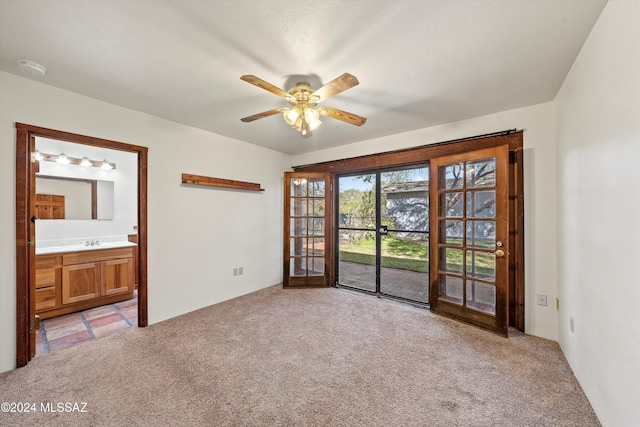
x=598 y=168
x=540 y=199
x=197 y=235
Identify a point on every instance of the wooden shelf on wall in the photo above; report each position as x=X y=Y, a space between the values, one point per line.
x=208 y=181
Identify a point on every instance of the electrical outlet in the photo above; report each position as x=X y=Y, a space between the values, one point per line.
x=235 y=271
x=240 y=271
x=542 y=300
x=571 y=323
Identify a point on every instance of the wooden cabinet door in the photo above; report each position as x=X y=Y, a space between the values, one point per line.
x=80 y=282
x=117 y=276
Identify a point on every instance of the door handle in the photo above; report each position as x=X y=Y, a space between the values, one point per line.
x=499 y=253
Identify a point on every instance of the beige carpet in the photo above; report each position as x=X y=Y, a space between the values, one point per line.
x=319 y=357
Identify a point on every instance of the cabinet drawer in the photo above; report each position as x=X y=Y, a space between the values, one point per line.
x=45 y=261
x=96 y=255
x=45 y=277
x=45 y=298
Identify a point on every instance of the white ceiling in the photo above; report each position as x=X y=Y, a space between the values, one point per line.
x=419 y=63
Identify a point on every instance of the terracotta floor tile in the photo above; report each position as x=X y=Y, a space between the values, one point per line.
x=105 y=320
x=127 y=304
x=99 y=312
x=40 y=349
x=69 y=340
x=105 y=330
x=131 y=312
x=58 y=322
x=66 y=330
x=70 y=329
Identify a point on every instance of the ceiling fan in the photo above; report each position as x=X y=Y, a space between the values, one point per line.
x=304 y=112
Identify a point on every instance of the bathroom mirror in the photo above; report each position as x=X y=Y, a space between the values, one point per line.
x=73 y=198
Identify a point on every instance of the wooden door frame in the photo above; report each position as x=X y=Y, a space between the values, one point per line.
x=25 y=259
x=421 y=154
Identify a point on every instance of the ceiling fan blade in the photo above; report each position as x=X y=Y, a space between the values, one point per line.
x=264 y=85
x=335 y=86
x=262 y=115
x=344 y=116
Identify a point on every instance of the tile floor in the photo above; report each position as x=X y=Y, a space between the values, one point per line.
x=72 y=329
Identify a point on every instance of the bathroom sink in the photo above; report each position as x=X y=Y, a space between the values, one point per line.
x=77 y=248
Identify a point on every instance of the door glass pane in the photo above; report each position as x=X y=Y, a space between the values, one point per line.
x=316 y=247
x=316 y=207
x=451 y=260
x=404 y=198
x=451 y=232
x=357 y=259
x=481 y=234
x=481 y=265
x=481 y=204
x=298 y=206
x=451 y=176
x=298 y=246
x=451 y=205
x=481 y=296
x=317 y=226
x=316 y=187
x=450 y=288
x=357 y=199
x=481 y=173
x=298 y=187
x=404 y=266
x=298 y=267
x=316 y=266
x=298 y=227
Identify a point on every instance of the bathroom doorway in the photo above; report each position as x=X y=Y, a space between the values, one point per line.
x=110 y=279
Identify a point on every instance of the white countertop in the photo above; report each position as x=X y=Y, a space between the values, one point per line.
x=78 y=248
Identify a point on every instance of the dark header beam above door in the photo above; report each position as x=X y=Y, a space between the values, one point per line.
x=417 y=155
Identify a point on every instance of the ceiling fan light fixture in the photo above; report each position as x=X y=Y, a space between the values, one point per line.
x=303 y=116
x=291 y=115
x=312 y=117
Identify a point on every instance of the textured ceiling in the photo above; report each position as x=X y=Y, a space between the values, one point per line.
x=419 y=63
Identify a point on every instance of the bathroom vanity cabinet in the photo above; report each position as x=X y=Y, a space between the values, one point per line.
x=73 y=281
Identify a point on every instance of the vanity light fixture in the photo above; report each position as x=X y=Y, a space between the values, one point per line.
x=106 y=165
x=66 y=160
x=62 y=159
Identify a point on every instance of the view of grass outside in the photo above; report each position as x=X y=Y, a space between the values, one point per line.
x=397 y=253
x=409 y=254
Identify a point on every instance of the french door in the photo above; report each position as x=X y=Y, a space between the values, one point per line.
x=470 y=236
x=383 y=232
x=307 y=207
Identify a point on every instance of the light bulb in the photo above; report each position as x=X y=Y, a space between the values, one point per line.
x=312 y=117
x=62 y=159
x=106 y=165
x=37 y=155
x=85 y=162
x=291 y=115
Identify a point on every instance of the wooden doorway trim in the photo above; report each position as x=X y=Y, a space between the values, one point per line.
x=25 y=243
